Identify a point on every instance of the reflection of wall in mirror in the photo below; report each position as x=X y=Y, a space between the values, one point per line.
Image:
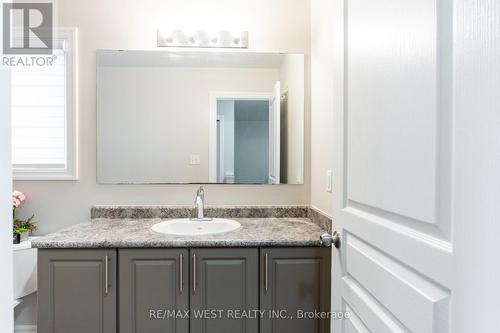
x=172 y=106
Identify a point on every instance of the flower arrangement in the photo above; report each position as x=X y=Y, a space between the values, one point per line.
x=21 y=228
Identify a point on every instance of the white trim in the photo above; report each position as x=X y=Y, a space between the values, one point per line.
x=221 y=146
x=69 y=36
x=212 y=127
x=25 y=329
x=275 y=130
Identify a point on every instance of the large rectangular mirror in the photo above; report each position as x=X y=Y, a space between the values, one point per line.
x=200 y=117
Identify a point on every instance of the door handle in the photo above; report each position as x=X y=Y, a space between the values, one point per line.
x=266 y=271
x=181 y=259
x=327 y=239
x=106 y=275
x=194 y=273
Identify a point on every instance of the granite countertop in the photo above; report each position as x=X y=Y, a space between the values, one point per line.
x=122 y=233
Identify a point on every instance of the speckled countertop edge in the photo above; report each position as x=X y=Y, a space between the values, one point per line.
x=165 y=212
x=249 y=211
x=135 y=233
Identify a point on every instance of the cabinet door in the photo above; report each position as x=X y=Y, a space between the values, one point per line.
x=153 y=293
x=224 y=280
x=294 y=280
x=76 y=291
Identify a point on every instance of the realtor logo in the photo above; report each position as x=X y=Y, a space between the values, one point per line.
x=27 y=28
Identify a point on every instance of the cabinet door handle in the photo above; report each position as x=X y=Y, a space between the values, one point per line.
x=266 y=271
x=181 y=259
x=194 y=273
x=106 y=275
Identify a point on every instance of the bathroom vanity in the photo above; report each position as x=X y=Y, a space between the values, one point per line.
x=118 y=275
x=136 y=269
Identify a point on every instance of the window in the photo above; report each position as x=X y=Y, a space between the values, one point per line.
x=44 y=115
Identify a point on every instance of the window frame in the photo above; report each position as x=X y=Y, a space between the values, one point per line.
x=69 y=37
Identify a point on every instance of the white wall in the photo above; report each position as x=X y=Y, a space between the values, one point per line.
x=321 y=102
x=6 y=289
x=151 y=119
x=274 y=26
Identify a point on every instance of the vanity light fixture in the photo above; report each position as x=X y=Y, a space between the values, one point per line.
x=202 y=38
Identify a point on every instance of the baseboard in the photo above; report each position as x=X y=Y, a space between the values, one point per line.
x=25 y=329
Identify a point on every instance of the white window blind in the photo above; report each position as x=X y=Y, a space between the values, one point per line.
x=39 y=114
x=44 y=115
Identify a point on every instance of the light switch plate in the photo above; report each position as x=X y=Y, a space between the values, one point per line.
x=194 y=159
x=329 y=180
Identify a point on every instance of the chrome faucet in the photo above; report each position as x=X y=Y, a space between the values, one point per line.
x=200 y=204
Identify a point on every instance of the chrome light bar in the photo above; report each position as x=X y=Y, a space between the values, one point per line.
x=202 y=38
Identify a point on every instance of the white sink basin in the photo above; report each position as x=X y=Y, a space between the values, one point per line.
x=187 y=227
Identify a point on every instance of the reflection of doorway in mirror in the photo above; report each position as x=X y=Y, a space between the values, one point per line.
x=243 y=141
x=243 y=132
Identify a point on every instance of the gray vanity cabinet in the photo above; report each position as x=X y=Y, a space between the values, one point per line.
x=224 y=280
x=76 y=291
x=294 y=279
x=153 y=290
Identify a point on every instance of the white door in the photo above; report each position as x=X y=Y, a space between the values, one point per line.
x=417 y=165
x=6 y=257
x=274 y=135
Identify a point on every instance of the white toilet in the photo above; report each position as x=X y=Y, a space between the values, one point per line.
x=25 y=275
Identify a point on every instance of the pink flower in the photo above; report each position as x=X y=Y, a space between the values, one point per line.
x=22 y=197
x=16 y=202
x=18 y=198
